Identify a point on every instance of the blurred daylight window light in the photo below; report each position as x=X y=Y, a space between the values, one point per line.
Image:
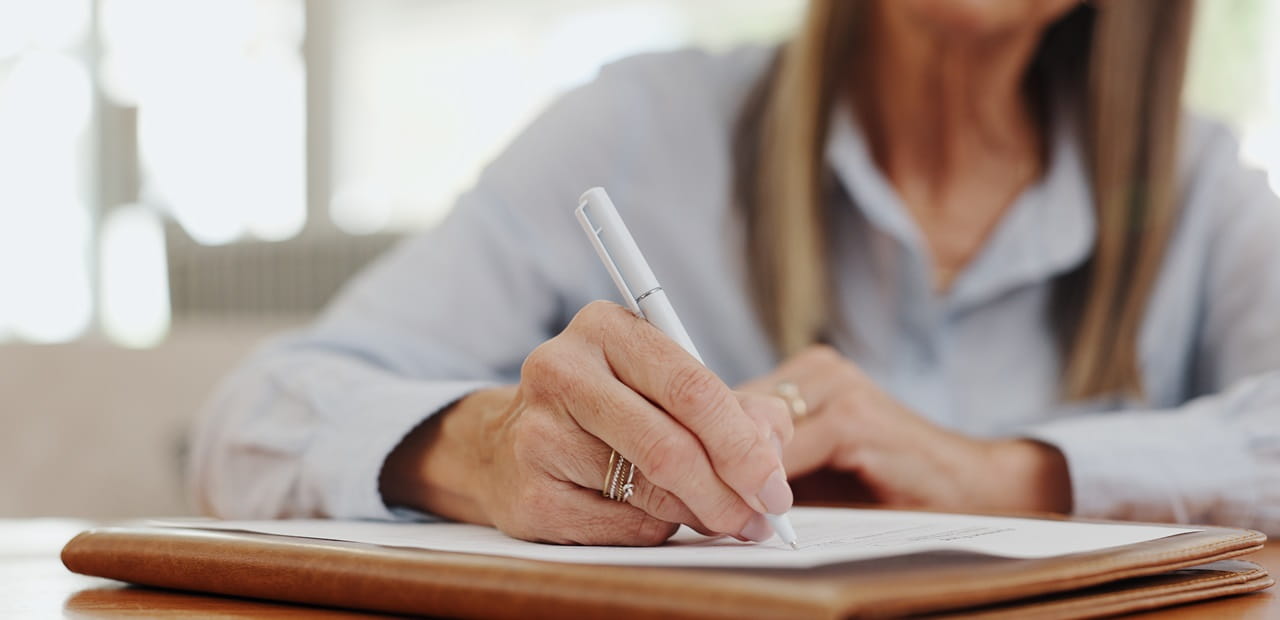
x=134 y=277
x=219 y=91
x=426 y=92
x=1235 y=75
x=45 y=216
x=126 y=122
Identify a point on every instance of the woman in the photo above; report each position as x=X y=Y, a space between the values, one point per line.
x=1001 y=270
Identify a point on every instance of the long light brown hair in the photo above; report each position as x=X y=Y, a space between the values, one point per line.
x=1123 y=62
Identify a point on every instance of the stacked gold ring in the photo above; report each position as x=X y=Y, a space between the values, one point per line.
x=618 y=479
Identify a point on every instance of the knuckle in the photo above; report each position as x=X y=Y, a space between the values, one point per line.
x=601 y=307
x=549 y=371
x=589 y=312
x=776 y=411
x=530 y=435
x=599 y=324
x=664 y=459
x=850 y=373
x=542 y=364
x=786 y=426
x=596 y=313
x=692 y=389
x=770 y=412
x=661 y=504
x=740 y=453
x=823 y=353
x=727 y=514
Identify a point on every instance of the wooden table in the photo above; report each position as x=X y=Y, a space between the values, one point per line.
x=33 y=583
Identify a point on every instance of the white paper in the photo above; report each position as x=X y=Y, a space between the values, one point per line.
x=827 y=536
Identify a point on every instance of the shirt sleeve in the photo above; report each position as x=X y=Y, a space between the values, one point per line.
x=304 y=426
x=1216 y=458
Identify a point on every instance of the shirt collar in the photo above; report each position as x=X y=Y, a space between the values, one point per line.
x=1049 y=229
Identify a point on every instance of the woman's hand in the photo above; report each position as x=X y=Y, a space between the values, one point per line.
x=531 y=459
x=902 y=459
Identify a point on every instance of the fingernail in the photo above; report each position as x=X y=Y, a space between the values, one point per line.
x=757 y=529
x=776 y=494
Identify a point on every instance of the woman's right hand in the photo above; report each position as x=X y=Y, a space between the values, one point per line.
x=531 y=459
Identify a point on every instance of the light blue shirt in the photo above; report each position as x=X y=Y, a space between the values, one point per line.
x=304 y=426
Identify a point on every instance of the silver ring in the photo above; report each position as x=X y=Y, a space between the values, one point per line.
x=619 y=478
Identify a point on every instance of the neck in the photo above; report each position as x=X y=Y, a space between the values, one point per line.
x=932 y=103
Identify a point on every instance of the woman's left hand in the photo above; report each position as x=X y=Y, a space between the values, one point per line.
x=854 y=427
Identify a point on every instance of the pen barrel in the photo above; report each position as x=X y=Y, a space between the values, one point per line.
x=615 y=243
x=658 y=311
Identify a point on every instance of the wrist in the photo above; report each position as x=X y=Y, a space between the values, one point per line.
x=1037 y=473
x=437 y=468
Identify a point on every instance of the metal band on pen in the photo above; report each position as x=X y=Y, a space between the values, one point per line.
x=648 y=293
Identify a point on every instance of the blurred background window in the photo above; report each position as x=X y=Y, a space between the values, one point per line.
x=166 y=160
x=46 y=168
x=1234 y=75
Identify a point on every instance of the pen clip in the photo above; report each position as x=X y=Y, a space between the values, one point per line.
x=593 y=233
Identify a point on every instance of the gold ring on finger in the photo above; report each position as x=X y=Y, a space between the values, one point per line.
x=619 y=478
x=790 y=393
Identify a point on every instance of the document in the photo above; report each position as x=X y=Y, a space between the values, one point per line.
x=827 y=536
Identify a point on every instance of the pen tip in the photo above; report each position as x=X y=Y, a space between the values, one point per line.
x=794 y=545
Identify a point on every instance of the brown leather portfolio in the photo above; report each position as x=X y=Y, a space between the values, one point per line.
x=1178 y=569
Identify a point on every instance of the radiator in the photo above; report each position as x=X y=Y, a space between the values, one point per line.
x=285 y=279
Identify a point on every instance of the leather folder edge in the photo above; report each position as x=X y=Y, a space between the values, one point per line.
x=388 y=579
x=1176 y=589
x=1072 y=572
x=368 y=577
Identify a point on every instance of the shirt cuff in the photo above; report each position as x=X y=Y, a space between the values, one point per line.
x=348 y=455
x=1165 y=466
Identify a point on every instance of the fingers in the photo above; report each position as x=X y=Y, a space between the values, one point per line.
x=578 y=516
x=703 y=455
x=738 y=449
x=821 y=374
x=664 y=452
x=803 y=452
x=531 y=497
x=770 y=413
x=585 y=461
x=559 y=377
x=826 y=381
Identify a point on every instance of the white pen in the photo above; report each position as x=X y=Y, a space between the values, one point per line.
x=635 y=280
